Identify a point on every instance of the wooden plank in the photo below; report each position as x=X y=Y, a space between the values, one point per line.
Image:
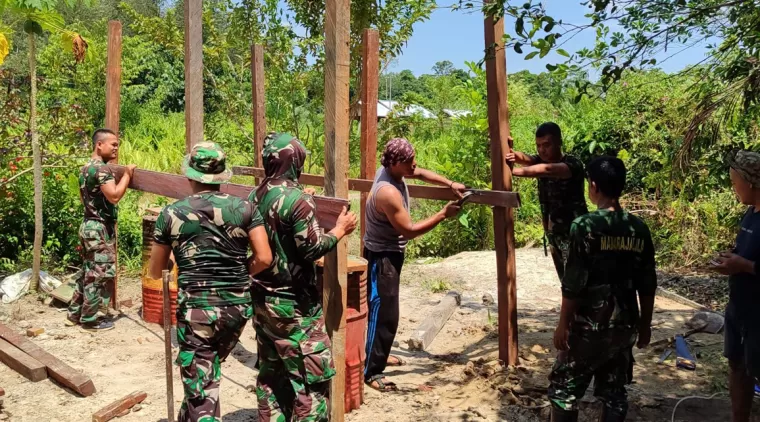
x=117 y=407
x=178 y=187
x=113 y=107
x=56 y=369
x=431 y=326
x=501 y=178
x=22 y=363
x=337 y=39
x=64 y=292
x=259 y=103
x=481 y=196
x=193 y=73
x=368 y=134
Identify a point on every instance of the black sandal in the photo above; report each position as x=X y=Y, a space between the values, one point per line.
x=382 y=386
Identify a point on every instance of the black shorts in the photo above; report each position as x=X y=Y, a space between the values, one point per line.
x=741 y=335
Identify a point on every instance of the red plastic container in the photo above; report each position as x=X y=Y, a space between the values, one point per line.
x=152 y=289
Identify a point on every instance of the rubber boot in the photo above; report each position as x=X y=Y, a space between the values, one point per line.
x=611 y=415
x=561 y=415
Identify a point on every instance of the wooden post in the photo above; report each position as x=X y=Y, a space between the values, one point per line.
x=501 y=176
x=368 y=145
x=337 y=23
x=193 y=73
x=166 y=277
x=259 y=103
x=113 y=106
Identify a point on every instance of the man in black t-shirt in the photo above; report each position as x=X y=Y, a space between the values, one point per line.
x=742 y=326
x=560 y=188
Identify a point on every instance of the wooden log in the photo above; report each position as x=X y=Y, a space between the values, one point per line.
x=22 y=363
x=167 y=278
x=480 y=196
x=368 y=134
x=501 y=178
x=337 y=39
x=193 y=73
x=56 y=369
x=178 y=187
x=259 y=103
x=119 y=406
x=113 y=107
x=424 y=335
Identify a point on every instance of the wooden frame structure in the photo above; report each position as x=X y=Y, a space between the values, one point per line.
x=336 y=181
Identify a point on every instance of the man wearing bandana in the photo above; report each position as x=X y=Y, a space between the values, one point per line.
x=742 y=266
x=389 y=227
x=295 y=361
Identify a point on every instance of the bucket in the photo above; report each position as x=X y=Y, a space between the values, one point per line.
x=152 y=289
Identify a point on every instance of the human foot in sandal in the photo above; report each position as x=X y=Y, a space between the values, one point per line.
x=380 y=383
x=394 y=361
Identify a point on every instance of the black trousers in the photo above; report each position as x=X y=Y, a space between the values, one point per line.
x=383 y=289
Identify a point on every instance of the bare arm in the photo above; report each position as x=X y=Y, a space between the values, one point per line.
x=159 y=258
x=114 y=192
x=553 y=170
x=520 y=158
x=436 y=179
x=262 y=253
x=390 y=203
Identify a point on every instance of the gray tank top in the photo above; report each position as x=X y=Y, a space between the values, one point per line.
x=380 y=235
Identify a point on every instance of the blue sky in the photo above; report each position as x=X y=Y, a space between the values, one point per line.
x=457 y=36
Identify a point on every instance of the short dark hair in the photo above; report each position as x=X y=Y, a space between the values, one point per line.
x=550 y=129
x=608 y=173
x=99 y=135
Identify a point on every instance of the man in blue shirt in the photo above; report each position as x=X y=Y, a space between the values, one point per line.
x=742 y=329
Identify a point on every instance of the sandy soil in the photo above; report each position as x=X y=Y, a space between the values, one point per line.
x=457 y=378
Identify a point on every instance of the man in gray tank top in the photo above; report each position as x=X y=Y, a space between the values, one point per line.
x=388 y=228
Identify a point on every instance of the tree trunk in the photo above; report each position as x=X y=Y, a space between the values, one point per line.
x=37 y=155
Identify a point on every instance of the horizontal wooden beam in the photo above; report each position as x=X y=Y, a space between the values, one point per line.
x=178 y=187
x=482 y=197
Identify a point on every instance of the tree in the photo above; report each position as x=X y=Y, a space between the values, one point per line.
x=443 y=68
x=39 y=16
x=631 y=33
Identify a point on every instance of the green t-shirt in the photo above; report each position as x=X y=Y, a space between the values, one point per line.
x=92 y=176
x=611 y=258
x=208 y=233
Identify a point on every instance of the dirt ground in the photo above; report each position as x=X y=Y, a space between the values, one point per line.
x=457 y=378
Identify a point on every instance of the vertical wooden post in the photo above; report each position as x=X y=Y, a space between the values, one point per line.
x=368 y=145
x=193 y=73
x=501 y=176
x=337 y=24
x=113 y=105
x=259 y=103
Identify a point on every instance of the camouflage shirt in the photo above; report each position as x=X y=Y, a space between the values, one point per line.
x=611 y=258
x=208 y=233
x=92 y=176
x=291 y=221
x=562 y=200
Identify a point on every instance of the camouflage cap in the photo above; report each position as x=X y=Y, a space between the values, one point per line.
x=206 y=164
x=747 y=164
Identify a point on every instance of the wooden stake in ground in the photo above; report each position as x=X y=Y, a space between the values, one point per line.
x=119 y=406
x=193 y=73
x=113 y=105
x=168 y=346
x=337 y=21
x=259 y=103
x=368 y=141
x=429 y=328
x=501 y=177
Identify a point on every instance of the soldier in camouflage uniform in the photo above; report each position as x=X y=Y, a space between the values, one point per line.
x=611 y=260
x=560 y=188
x=295 y=361
x=99 y=193
x=209 y=233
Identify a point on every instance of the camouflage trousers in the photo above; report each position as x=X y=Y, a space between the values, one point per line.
x=206 y=336
x=93 y=288
x=606 y=356
x=295 y=361
x=559 y=246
